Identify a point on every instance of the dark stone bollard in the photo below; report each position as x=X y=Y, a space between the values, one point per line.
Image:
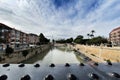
x=93 y=76
x=96 y=64
x=114 y=74
x=6 y=65
x=52 y=65
x=3 y=77
x=109 y=62
x=49 y=77
x=26 y=77
x=71 y=77
x=67 y=65
x=21 y=65
x=36 y=65
x=81 y=64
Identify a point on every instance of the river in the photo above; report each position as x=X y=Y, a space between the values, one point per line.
x=56 y=55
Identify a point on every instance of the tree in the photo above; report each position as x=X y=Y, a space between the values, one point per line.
x=8 y=50
x=97 y=40
x=79 y=39
x=69 y=40
x=53 y=41
x=61 y=41
x=25 y=53
x=92 y=33
x=43 y=39
x=88 y=35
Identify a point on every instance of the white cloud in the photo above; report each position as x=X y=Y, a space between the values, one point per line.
x=74 y=18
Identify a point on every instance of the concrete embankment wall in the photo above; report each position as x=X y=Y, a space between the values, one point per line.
x=18 y=56
x=100 y=53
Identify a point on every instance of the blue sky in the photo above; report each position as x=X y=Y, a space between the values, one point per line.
x=61 y=18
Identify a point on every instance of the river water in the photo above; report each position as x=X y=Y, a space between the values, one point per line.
x=59 y=55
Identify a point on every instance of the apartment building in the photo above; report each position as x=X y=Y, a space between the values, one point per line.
x=16 y=38
x=23 y=38
x=33 y=39
x=5 y=33
x=114 y=36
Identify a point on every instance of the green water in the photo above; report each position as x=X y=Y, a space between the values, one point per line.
x=60 y=55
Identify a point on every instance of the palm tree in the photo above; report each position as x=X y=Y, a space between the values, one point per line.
x=92 y=33
x=88 y=35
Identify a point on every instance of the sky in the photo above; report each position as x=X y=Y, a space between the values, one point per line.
x=61 y=18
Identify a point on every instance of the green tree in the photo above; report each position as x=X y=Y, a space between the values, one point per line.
x=92 y=33
x=88 y=35
x=25 y=53
x=9 y=50
x=61 y=41
x=43 y=39
x=97 y=40
x=53 y=40
x=79 y=39
x=69 y=40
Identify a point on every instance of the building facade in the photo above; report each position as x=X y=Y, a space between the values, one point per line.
x=5 y=33
x=33 y=39
x=115 y=36
x=16 y=38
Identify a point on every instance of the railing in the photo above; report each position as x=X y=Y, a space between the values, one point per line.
x=93 y=71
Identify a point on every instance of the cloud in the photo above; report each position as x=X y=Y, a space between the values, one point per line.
x=61 y=18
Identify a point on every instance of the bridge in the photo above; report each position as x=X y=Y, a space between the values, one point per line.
x=90 y=71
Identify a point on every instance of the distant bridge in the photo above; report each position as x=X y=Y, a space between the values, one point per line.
x=93 y=71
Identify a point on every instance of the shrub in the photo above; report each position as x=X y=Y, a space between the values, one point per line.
x=9 y=50
x=25 y=53
x=0 y=58
x=93 y=54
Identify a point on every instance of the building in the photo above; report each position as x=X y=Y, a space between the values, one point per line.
x=5 y=33
x=16 y=38
x=114 y=36
x=33 y=39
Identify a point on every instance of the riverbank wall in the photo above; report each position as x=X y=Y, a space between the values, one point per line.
x=19 y=56
x=100 y=53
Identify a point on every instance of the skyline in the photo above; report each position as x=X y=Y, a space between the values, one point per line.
x=61 y=18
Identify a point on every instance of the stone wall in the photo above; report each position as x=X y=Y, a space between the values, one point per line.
x=20 y=56
x=100 y=53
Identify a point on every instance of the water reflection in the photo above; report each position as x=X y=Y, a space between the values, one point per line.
x=37 y=57
x=79 y=58
x=59 y=55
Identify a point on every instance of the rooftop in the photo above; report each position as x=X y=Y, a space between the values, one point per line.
x=115 y=29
